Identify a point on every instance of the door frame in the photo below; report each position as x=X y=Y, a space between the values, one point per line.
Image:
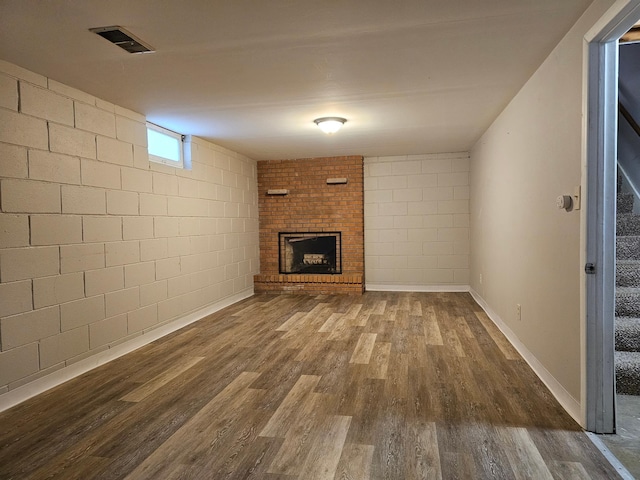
x=599 y=176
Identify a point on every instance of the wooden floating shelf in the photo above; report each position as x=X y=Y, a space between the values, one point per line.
x=279 y=191
x=336 y=181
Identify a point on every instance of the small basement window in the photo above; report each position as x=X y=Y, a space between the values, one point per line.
x=165 y=146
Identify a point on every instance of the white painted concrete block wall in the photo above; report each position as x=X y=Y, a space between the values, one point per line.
x=97 y=244
x=416 y=221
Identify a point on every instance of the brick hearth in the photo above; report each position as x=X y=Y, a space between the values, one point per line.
x=311 y=205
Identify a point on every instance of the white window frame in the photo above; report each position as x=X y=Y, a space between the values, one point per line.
x=174 y=135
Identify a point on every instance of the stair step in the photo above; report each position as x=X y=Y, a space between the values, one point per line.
x=624 y=203
x=628 y=247
x=627 y=224
x=628 y=302
x=628 y=334
x=628 y=273
x=628 y=373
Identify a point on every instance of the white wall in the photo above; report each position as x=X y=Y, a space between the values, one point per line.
x=98 y=246
x=526 y=249
x=417 y=222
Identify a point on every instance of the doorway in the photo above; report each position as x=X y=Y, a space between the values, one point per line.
x=601 y=49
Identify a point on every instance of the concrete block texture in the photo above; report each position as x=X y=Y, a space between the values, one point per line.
x=81 y=312
x=114 y=151
x=43 y=103
x=122 y=203
x=417 y=219
x=63 y=139
x=18 y=363
x=56 y=229
x=29 y=327
x=53 y=167
x=104 y=280
x=136 y=180
x=131 y=131
x=83 y=200
x=137 y=228
x=141 y=319
x=8 y=92
x=77 y=258
x=57 y=289
x=100 y=174
x=14 y=230
x=15 y=297
x=29 y=196
x=122 y=301
x=63 y=346
x=101 y=228
x=139 y=274
x=96 y=120
x=30 y=262
x=89 y=254
x=107 y=331
x=13 y=161
x=122 y=253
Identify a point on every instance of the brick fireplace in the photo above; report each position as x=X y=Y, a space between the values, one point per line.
x=314 y=207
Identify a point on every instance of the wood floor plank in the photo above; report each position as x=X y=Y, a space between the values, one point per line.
x=322 y=461
x=568 y=471
x=498 y=337
x=151 y=386
x=355 y=462
x=379 y=363
x=279 y=423
x=524 y=457
x=458 y=466
x=425 y=463
x=194 y=441
x=293 y=320
x=364 y=348
x=276 y=393
x=299 y=438
x=331 y=323
x=431 y=328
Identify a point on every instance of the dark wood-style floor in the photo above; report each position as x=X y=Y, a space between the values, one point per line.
x=385 y=385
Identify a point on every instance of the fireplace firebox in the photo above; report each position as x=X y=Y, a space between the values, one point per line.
x=310 y=252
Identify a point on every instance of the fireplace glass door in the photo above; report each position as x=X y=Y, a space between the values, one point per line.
x=310 y=252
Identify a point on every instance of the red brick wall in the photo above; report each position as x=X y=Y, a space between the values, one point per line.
x=312 y=206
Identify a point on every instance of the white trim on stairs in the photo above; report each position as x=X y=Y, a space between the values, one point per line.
x=20 y=394
x=568 y=402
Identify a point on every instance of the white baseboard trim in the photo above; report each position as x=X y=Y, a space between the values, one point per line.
x=379 y=287
x=20 y=394
x=568 y=402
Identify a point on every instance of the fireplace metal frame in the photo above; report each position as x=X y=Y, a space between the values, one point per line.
x=310 y=235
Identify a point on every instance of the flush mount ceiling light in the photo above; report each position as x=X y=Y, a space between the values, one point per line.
x=122 y=38
x=330 y=124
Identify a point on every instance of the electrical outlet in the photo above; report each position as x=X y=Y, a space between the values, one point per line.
x=518 y=312
x=480 y=279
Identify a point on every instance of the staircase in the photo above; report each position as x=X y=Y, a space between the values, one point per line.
x=627 y=331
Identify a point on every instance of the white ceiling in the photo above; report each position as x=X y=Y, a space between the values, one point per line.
x=411 y=76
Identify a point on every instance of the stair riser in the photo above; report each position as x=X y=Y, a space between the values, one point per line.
x=627 y=331
x=628 y=248
x=628 y=335
x=628 y=304
x=627 y=382
x=627 y=224
x=624 y=203
x=628 y=373
x=628 y=275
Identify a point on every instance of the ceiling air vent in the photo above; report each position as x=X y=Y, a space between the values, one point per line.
x=122 y=38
